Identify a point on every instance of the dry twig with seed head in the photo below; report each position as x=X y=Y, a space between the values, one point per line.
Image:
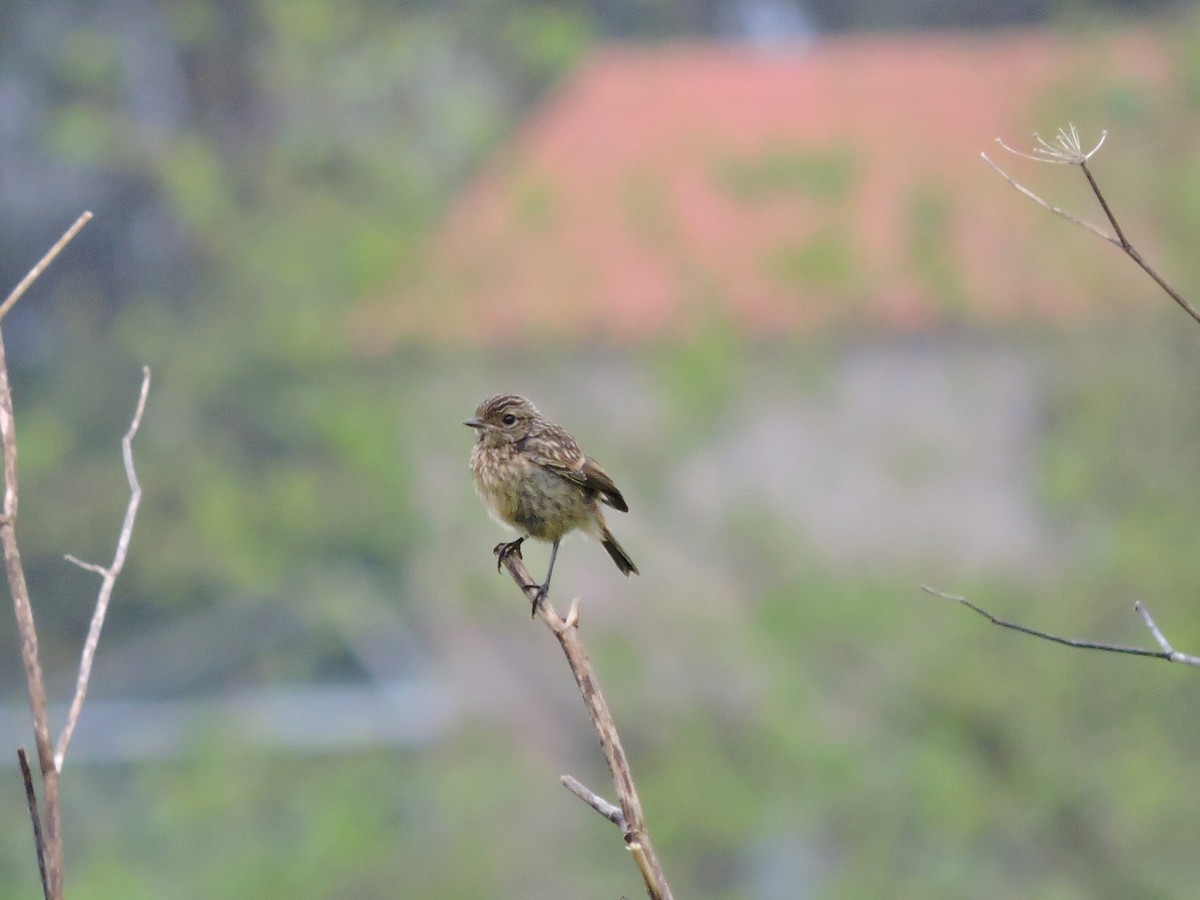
x=1067 y=149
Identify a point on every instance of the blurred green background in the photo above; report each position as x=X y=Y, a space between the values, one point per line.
x=313 y=683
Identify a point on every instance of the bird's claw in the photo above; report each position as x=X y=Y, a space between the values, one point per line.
x=505 y=549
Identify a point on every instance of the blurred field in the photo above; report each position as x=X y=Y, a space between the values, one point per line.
x=314 y=684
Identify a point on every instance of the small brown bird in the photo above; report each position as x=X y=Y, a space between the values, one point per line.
x=531 y=475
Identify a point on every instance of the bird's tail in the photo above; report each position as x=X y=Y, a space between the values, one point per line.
x=617 y=552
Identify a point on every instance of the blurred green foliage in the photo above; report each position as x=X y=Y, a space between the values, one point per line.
x=825 y=259
x=826 y=175
x=898 y=743
x=930 y=229
x=797 y=728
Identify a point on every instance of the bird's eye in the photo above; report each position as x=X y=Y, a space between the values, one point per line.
x=510 y=419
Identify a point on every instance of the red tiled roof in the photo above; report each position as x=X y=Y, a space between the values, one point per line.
x=836 y=182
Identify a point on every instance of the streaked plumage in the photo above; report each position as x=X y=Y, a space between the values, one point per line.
x=532 y=475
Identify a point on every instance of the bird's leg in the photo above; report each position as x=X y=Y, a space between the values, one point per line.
x=544 y=588
x=505 y=549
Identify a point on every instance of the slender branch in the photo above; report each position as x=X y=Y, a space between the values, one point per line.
x=1122 y=241
x=1069 y=151
x=35 y=819
x=595 y=801
x=1133 y=253
x=637 y=839
x=1167 y=653
x=1057 y=210
x=1173 y=655
x=22 y=608
x=645 y=863
x=33 y=274
x=108 y=575
x=23 y=612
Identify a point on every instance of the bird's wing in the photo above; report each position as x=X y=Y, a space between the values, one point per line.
x=597 y=479
x=557 y=451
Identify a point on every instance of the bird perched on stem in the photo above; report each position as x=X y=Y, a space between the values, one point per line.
x=531 y=475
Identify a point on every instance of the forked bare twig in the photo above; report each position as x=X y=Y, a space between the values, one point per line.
x=108 y=576
x=1167 y=653
x=631 y=822
x=46 y=820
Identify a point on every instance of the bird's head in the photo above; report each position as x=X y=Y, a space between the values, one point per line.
x=503 y=419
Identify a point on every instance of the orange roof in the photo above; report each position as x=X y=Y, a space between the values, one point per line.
x=780 y=189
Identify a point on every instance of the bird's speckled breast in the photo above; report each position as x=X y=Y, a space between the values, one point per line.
x=524 y=495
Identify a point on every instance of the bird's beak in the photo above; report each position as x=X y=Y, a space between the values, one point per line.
x=474 y=423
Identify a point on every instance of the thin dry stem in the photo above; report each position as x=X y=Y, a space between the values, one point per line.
x=23 y=612
x=1057 y=210
x=637 y=839
x=108 y=575
x=647 y=866
x=1069 y=152
x=22 y=608
x=48 y=836
x=1167 y=653
x=1173 y=655
x=35 y=819
x=595 y=801
x=32 y=275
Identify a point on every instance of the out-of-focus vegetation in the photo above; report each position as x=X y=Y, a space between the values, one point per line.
x=292 y=160
x=798 y=726
x=791 y=722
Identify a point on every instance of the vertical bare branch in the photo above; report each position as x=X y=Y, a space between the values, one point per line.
x=637 y=838
x=108 y=575
x=23 y=611
x=22 y=608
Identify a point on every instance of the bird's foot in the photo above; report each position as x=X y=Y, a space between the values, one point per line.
x=538 y=597
x=505 y=549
